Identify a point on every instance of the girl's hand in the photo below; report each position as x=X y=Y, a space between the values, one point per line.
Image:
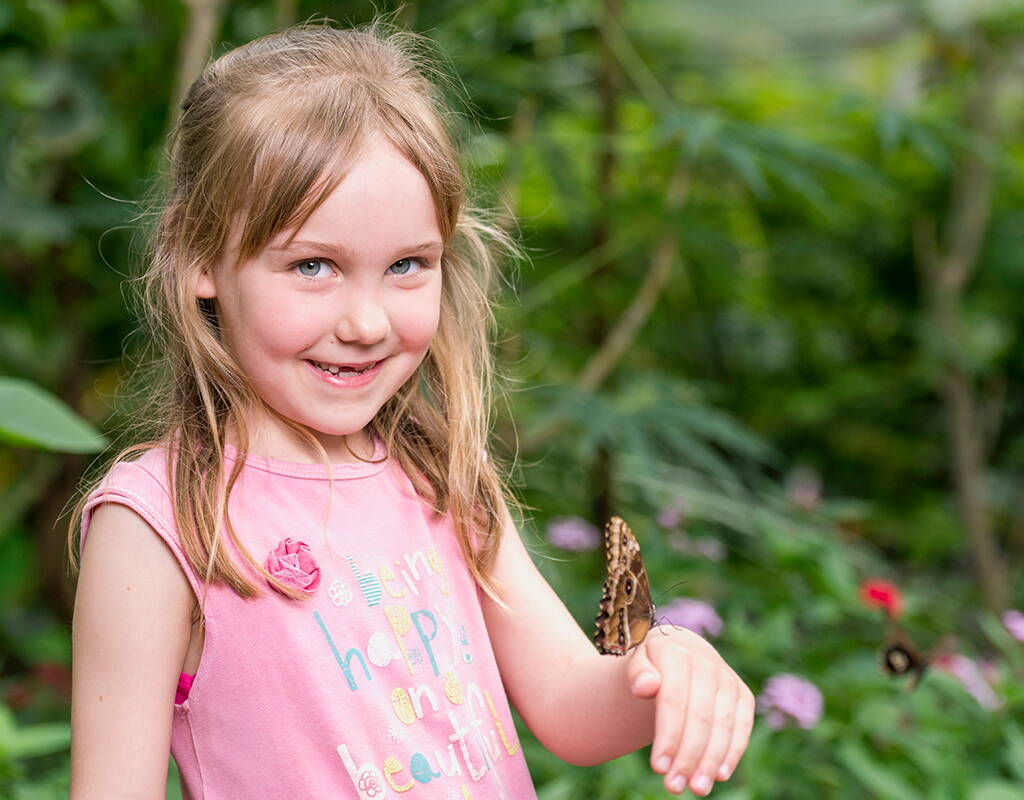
x=704 y=712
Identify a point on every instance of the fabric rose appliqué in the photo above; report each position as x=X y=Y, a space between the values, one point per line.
x=291 y=563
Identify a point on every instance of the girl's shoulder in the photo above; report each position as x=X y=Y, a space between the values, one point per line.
x=142 y=471
x=139 y=481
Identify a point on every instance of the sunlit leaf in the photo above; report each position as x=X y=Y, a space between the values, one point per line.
x=32 y=417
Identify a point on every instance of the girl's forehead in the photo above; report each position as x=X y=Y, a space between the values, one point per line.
x=381 y=193
x=368 y=183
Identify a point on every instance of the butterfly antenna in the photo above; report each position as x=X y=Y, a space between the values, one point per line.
x=669 y=589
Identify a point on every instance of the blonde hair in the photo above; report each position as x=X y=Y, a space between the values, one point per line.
x=266 y=133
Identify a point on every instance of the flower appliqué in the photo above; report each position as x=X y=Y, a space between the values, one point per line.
x=291 y=563
x=370 y=783
x=339 y=592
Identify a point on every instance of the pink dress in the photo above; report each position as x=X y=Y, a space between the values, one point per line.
x=382 y=683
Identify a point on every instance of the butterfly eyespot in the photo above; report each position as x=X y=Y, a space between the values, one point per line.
x=629 y=586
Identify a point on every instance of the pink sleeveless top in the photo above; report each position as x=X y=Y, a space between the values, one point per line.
x=381 y=684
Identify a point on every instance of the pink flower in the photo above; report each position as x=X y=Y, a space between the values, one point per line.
x=694 y=615
x=989 y=671
x=971 y=678
x=1014 y=622
x=291 y=563
x=789 y=697
x=674 y=515
x=573 y=533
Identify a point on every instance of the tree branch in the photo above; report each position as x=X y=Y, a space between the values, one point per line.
x=971 y=199
x=945 y=270
x=629 y=324
x=603 y=361
x=203 y=23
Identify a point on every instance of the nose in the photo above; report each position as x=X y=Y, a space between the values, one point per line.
x=363 y=319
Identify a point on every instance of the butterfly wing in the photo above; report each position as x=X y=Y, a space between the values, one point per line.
x=626 y=611
x=901 y=657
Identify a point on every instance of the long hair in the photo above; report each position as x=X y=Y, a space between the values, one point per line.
x=266 y=132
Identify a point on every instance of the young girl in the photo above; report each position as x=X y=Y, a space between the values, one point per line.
x=308 y=584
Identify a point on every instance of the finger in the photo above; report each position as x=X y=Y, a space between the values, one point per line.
x=668 y=716
x=698 y=717
x=644 y=678
x=721 y=736
x=740 y=732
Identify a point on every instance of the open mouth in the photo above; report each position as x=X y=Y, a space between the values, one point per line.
x=345 y=369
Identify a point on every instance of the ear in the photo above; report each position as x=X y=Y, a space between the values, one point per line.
x=205 y=287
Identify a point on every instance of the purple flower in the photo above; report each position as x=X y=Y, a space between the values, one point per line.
x=573 y=533
x=710 y=548
x=970 y=676
x=788 y=697
x=694 y=615
x=673 y=515
x=1014 y=622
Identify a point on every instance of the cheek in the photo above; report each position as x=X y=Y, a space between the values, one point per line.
x=417 y=319
x=268 y=324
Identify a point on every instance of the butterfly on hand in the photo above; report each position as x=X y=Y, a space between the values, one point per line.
x=626 y=612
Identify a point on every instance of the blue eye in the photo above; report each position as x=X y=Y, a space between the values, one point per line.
x=404 y=266
x=315 y=262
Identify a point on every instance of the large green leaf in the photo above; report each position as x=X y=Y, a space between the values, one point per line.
x=32 y=417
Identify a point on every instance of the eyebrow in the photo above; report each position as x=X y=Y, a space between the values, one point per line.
x=338 y=248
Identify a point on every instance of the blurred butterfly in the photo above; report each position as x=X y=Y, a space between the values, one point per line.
x=901 y=657
x=626 y=611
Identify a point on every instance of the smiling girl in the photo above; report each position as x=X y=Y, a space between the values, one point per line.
x=307 y=583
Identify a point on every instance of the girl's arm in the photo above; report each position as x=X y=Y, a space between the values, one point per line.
x=673 y=689
x=129 y=636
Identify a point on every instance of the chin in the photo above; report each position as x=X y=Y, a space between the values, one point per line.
x=337 y=431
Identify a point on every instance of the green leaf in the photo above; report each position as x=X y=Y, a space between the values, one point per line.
x=877 y=777
x=996 y=790
x=38 y=740
x=32 y=417
x=1014 y=752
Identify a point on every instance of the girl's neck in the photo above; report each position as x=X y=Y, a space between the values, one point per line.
x=269 y=438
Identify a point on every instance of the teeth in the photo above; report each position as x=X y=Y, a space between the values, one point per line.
x=336 y=370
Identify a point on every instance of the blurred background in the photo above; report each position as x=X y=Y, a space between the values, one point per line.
x=770 y=315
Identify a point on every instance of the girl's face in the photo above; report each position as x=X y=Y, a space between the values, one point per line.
x=329 y=327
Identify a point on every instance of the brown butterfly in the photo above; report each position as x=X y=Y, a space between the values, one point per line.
x=901 y=657
x=626 y=612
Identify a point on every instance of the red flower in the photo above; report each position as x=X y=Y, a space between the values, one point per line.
x=291 y=563
x=879 y=593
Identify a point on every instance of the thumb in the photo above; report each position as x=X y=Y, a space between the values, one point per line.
x=644 y=679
